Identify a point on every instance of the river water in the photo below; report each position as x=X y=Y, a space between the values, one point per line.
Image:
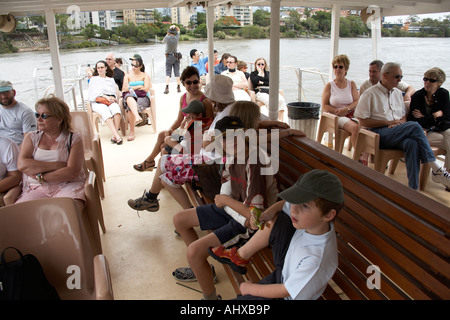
x=416 y=55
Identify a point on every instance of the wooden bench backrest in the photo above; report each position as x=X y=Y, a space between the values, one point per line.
x=383 y=223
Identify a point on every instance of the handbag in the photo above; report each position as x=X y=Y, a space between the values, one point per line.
x=209 y=177
x=178 y=55
x=102 y=100
x=24 y=279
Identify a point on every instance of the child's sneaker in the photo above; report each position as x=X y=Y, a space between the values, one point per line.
x=186 y=274
x=229 y=257
x=144 y=203
x=441 y=176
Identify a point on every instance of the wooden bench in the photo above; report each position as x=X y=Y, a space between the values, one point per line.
x=383 y=223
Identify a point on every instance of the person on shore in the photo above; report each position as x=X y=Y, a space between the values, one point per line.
x=138 y=100
x=200 y=64
x=340 y=97
x=118 y=74
x=172 y=60
x=52 y=158
x=382 y=110
x=430 y=107
x=302 y=237
x=260 y=82
x=243 y=187
x=10 y=176
x=240 y=83
x=16 y=118
x=103 y=96
x=375 y=77
x=191 y=82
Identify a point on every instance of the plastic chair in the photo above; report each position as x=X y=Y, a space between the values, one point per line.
x=53 y=231
x=92 y=147
x=94 y=211
x=369 y=142
x=425 y=169
x=329 y=123
x=150 y=111
x=95 y=118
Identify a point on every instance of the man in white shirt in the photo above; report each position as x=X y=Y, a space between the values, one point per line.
x=16 y=119
x=381 y=109
x=10 y=176
x=375 y=77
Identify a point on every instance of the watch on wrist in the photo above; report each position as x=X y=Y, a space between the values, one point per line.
x=40 y=178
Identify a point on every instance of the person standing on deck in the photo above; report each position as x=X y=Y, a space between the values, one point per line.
x=16 y=118
x=172 y=61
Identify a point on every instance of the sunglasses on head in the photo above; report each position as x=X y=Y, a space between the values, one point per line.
x=189 y=82
x=340 y=67
x=43 y=116
x=425 y=79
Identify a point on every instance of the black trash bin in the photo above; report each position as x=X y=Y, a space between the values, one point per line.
x=304 y=116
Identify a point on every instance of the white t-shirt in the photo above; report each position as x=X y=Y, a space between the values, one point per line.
x=379 y=103
x=16 y=121
x=310 y=262
x=9 y=153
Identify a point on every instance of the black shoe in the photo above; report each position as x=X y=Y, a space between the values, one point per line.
x=178 y=88
x=167 y=90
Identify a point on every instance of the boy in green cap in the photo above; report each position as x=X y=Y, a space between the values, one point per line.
x=302 y=237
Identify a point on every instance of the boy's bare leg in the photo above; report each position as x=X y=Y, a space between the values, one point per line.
x=184 y=222
x=197 y=256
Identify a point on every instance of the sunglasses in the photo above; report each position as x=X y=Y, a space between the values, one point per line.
x=340 y=67
x=425 y=79
x=398 y=77
x=189 y=82
x=260 y=64
x=231 y=62
x=43 y=116
x=135 y=65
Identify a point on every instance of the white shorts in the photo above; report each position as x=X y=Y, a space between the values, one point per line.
x=105 y=111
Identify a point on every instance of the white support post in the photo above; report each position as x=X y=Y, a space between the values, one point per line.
x=376 y=34
x=54 y=52
x=274 y=67
x=210 y=33
x=334 y=49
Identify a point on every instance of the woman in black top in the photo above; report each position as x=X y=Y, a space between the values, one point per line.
x=430 y=106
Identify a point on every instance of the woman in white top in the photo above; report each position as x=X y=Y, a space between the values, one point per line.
x=240 y=83
x=340 y=97
x=103 y=96
x=51 y=159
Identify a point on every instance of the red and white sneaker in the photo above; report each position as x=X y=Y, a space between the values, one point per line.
x=229 y=257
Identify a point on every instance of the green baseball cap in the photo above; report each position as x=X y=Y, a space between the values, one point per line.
x=195 y=106
x=314 y=184
x=135 y=57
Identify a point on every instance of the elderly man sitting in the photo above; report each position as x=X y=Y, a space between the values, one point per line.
x=382 y=110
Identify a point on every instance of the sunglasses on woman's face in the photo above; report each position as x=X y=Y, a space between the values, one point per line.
x=340 y=67
x=135 y=65
x=425 y=79
x=43 y=116
x=189 y=82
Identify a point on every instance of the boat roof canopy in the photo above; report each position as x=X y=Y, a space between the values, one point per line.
x=388 y=7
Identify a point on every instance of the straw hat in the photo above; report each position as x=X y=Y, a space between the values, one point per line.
x=220 y=89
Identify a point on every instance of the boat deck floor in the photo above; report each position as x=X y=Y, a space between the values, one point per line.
x=143 y=250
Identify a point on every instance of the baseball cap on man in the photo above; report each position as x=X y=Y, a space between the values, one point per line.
x=220 y=89
x=5 y=86
x=314 y=184
x=135 y=57
x=195 y=106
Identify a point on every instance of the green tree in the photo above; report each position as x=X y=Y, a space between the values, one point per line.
x=261 y=18
x=251 y=32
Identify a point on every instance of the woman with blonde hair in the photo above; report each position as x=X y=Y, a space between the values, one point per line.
x=52 y=158
x=260 y=82
x=340 y=97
